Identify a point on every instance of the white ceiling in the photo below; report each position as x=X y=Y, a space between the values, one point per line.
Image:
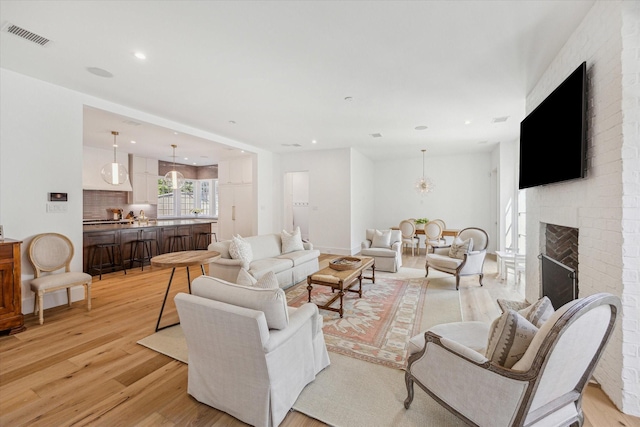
x=281 y=70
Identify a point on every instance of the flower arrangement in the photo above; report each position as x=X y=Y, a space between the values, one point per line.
x=196 y=211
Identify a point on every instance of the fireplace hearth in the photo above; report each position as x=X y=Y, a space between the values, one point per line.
x=560 y=264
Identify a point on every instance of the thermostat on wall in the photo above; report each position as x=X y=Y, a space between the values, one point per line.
x=57 y=197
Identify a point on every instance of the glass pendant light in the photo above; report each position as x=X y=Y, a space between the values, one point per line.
x=114 y=173
x=174 y=179
x=423 y=184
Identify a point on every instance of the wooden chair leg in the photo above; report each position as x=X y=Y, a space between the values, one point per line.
x=69 y=296
x=88 y=286
x=41 y=306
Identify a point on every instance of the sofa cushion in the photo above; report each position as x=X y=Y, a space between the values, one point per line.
x=460 y=247
x=538 y=312
x=379 y=252
x=300 y=257
x=261 y=266
x=381 y=239
x=509 y=338
x=265 y=245
x=272 y=302
x=241 y=249
x=291 y=242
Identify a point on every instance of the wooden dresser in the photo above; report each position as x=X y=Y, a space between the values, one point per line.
x=11 y=317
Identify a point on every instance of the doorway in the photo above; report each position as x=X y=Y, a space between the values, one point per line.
x=296 y=202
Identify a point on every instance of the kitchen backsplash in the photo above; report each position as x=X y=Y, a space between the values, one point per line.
x=96 y=202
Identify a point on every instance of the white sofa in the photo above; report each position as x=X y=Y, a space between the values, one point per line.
x=250 y=355
x=388 y=256
x=289 y=268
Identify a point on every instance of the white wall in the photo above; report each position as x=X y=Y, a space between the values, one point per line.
x=42 y=123
x=363 y=195
x=603 y=209
x=461 y=196
x=329 y=196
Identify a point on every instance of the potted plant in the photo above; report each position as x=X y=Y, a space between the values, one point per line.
x=196 y=212
x=421 y=222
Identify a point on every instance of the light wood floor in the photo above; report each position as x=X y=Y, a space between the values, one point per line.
x=85 y=368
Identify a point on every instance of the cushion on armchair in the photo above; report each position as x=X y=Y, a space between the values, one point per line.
x=538 y=312
x=460 y=247
x=272 y=302
x=381 y=239
x=509 y=338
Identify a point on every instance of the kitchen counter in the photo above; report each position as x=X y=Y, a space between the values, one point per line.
x=125 y=224
x=125 y=234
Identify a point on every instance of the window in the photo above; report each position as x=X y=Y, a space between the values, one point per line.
x=195 y=194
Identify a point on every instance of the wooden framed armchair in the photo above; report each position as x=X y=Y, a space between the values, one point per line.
x=543 y=388
x=463 y=257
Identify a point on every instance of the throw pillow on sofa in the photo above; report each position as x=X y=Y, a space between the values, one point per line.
x=381 y=239
x=241 y=249
x=245 y=279
x=509 y=338
x=291 y=242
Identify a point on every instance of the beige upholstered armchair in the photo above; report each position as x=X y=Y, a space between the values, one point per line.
x=385 y=246
x=250 y=355
x=463 y=257
x=543 y=388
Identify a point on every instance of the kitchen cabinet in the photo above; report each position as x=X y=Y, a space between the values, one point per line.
x=93 y=159
x=238 y=170
x=144 y=175
x=11 y=317
x=235 y=210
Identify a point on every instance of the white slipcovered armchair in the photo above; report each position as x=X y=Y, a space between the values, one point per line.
x=249 y=354
x=464 y=259
x=543 y=388
x=385 y=246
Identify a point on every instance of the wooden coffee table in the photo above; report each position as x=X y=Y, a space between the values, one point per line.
x=341 y=281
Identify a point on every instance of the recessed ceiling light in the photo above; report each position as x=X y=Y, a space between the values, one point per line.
x=140 y=55
x=194 y=163
x=186 y=158
x=132 y=141
x=99 y=72
x=420 y=127
x=467 y=122
x=175 y=133
x=314 y=141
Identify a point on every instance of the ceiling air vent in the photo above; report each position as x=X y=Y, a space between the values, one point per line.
x=26 y=34
x=376 y=135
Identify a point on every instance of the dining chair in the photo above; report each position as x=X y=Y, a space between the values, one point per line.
x=409 y=239
x=48 y=253
x=433 y=235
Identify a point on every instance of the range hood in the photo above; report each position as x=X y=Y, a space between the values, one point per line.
x=93 y=159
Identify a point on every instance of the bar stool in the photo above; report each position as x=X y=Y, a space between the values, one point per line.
x=183 y=242
x=144 y=245
x=111 y=249
x=207 y=239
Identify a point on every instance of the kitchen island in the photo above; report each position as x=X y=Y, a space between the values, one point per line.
x=124 y=233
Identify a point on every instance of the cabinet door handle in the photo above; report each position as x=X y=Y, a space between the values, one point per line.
x=233 y=213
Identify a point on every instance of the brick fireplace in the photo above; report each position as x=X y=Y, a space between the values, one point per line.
x=559 y=264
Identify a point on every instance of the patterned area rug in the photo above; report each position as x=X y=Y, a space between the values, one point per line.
x=376 y=327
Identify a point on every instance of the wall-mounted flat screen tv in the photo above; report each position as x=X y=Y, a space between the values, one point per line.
x=553 y=137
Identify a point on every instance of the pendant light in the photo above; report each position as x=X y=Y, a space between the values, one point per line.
x=114 y=173
x=423 y=184
x=174 y=179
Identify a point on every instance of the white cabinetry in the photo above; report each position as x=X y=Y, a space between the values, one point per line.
x=144 y=173
x=235 y=171
x=236 y=209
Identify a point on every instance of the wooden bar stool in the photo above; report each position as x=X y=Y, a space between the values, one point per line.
x=207 y=239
